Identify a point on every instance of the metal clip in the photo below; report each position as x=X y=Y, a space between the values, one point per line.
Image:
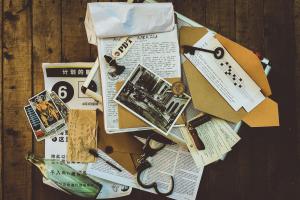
x=191 y=126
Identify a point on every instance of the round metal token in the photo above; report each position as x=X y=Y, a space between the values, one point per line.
x=178 y=88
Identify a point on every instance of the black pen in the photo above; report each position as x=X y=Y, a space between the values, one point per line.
x=94 y=152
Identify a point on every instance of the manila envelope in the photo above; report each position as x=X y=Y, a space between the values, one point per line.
x=129 y=120
x=207 y=99
x=123 y=147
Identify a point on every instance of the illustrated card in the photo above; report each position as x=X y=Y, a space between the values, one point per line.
x=152 y=99
x=46 y=111
x=35 y=124
x=61 y=106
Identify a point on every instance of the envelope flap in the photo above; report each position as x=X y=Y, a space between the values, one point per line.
x=126 y=160
x=122 y=142
x=206 y=98
x=191 y=35
x=249 y=62
x=116 y=19
x=265 y=114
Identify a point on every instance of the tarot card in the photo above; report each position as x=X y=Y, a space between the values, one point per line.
x=151 y=98
x=61 y=106
x=35 y=124
x=48 y=114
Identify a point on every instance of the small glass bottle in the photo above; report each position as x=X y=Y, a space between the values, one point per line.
x=66 y=178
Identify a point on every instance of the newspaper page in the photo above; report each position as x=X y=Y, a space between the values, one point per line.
x=173 y=160
x=56 y=148
x=158 y=52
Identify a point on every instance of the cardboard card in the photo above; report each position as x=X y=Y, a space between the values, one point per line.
x=207 y=99
x=82 y=136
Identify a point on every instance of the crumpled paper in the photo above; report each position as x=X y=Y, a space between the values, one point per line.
x=112 y=19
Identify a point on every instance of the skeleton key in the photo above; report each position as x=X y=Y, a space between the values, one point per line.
x=218 y=52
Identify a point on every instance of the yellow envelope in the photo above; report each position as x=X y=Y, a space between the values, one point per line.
x=207 y=99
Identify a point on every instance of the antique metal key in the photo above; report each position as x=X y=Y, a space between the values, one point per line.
x=218 y=52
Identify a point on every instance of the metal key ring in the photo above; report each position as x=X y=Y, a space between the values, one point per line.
x=145 y=166
x=219 y=53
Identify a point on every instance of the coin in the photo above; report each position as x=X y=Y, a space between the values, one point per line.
x=178 y=88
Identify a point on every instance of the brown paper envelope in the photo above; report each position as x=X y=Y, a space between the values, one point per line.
x=129 y=120
x=246 y=58
x=122 y=147
x=249 y=62
x=207 y=99
x=265 y=114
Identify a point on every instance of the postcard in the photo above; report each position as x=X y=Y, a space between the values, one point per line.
x=150 y=98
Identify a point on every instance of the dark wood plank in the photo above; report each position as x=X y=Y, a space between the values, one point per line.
x=250 y=33
x=75 y=47
x=1 y=101
x=192 y=9
x=281 y=152
x=220 y=17
x=249 y=23
x=17 y=86
x=46 y=30
x=297 y=69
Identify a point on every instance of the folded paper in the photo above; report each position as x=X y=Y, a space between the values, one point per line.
x=112 y=19
x=207 y=99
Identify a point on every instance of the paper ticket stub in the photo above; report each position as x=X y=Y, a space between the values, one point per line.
x=226 y=75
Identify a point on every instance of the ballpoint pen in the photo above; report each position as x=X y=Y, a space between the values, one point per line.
x=95 y=153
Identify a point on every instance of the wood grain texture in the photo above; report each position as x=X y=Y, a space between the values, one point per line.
x=297 y=68
x=17 y=85
x=75 y=47
x=1 y=101
x=46 y=36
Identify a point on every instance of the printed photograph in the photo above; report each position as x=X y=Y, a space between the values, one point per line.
x=151 y=99
x=44 y=107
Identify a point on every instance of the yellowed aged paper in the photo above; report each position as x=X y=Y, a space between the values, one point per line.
x=82 y=126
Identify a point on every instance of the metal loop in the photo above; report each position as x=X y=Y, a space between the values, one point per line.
x=154 y=185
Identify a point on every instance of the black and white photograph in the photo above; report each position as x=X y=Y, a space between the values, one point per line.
x=150 y=98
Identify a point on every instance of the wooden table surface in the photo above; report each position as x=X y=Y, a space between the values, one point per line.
x=263 y=165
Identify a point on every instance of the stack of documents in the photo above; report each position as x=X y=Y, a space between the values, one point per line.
x=162 y=101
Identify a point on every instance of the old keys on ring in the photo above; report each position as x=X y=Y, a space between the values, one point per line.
x=218 y=52
x=150 y=148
